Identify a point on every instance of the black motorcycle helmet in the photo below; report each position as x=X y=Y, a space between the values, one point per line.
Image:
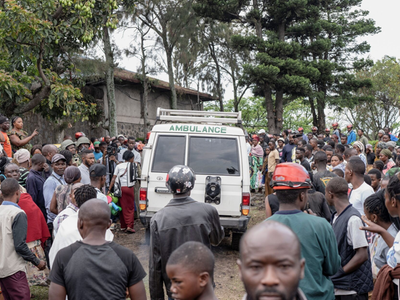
x=180 y=179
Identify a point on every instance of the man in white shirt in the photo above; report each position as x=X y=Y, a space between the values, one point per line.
x=131 y=146
x=98 y=174
x=354 y=174
x=68 y=232
x=87 y=161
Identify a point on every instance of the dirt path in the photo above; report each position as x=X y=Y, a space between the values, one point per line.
x=228 y=283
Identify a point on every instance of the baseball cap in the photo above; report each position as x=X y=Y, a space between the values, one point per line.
x=57 y=157
x=4 y=119
x=97 y=170
x=261 y=131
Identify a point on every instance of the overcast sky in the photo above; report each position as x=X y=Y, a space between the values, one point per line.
x=387 y=42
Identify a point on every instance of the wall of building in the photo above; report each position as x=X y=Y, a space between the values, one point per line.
x=129 y=121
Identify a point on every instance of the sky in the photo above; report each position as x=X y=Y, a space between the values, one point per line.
x=387 y=42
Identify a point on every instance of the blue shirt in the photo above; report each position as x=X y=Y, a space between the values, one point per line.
x=10 y=203
x=97 y=156
x=287 y=153
x=34 y=187
x=351 y=137
x=305 y=138
x=393 y=138
x=49 y=187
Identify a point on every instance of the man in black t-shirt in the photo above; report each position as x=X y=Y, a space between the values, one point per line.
x=94 y=268
x=323 y=176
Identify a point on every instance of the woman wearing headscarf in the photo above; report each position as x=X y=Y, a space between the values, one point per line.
x=386 y=157
x=22 y=159
x=378 y=148
x=256 y=161
x=359 y=146
x=61 y=197
x=126 y=174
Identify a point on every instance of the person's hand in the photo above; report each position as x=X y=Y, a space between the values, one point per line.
x=310 y=212
x=42 y=265
x=46 y=167
x=35 y=133
x=112 y=158
x=371 y=226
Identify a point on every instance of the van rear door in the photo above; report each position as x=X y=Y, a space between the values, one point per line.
x=217 y=156
x=169 y=151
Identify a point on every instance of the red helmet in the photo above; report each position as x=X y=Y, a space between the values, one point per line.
x=350 y=126
x=289 y=176
x=335 y=124
x=79 y=134
x=327 y=130
x=300 y=129
x=314 y=128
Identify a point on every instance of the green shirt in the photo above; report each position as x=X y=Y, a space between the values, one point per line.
x=364 y=140
x=318 y=247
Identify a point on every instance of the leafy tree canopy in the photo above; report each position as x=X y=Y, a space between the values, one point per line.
x=38 y=43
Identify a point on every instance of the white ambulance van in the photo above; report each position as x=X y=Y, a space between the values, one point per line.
x=216 y=152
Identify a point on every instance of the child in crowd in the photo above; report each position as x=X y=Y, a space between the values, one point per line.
x=191 y=270
x=378 y=220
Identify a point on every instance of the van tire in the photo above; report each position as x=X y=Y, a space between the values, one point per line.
x=236 y=237
x=147 y=236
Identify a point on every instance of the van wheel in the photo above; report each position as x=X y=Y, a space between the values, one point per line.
x=236 y=236
x=147 y=236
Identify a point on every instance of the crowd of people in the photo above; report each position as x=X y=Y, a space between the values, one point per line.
x=347 y=180
x=332 y=199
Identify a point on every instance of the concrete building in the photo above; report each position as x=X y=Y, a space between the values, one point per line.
x=128 y=95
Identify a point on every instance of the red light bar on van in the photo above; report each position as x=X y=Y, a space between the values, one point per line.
x=148 y=135
x=245 y=204
x=143 y=199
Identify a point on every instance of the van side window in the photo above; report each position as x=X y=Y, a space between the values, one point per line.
x=214 y=156
x=169 y=152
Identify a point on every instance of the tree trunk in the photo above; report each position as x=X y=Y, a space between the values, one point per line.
x=269 y=105
x=143 y=103
x=321 y=113
x=257 y=20
x=174 y=100
x=278 y=112
x=218 y=69
x=112 y=115
x=314 y=114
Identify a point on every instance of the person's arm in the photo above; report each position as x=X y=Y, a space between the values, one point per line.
x=48 y=192
x=19 y=229
x=155 y=267
x=137 y=291
x=375 y=228
x=358 y=259
x=268 y=210
x=14 y=139
x=53 y=204
x=325 y=211
x=57 y=292
x=31 y=188
x=217 y=231
x=112 y=183
x=332 y=259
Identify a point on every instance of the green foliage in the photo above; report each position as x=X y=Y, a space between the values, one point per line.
x=38 y=43
x=254 y=116
x=382 y=108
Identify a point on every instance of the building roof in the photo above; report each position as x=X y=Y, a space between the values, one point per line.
x=130 y=76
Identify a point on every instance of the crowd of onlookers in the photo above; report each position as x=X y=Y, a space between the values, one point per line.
x=354 y=185
x=332 y=199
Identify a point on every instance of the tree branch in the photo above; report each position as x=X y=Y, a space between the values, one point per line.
x=39 y=65
x=36 y=100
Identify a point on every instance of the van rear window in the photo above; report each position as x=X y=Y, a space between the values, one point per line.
x=169 y=152
x=214 y=156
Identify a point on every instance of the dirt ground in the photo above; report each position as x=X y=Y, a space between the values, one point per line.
x=228 y=284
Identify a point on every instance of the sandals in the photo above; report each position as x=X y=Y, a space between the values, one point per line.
x=130 y=230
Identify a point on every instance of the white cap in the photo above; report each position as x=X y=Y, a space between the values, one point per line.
x=261 y=131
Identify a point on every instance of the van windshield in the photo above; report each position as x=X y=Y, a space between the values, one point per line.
x=214 y=156
x=169 y=152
